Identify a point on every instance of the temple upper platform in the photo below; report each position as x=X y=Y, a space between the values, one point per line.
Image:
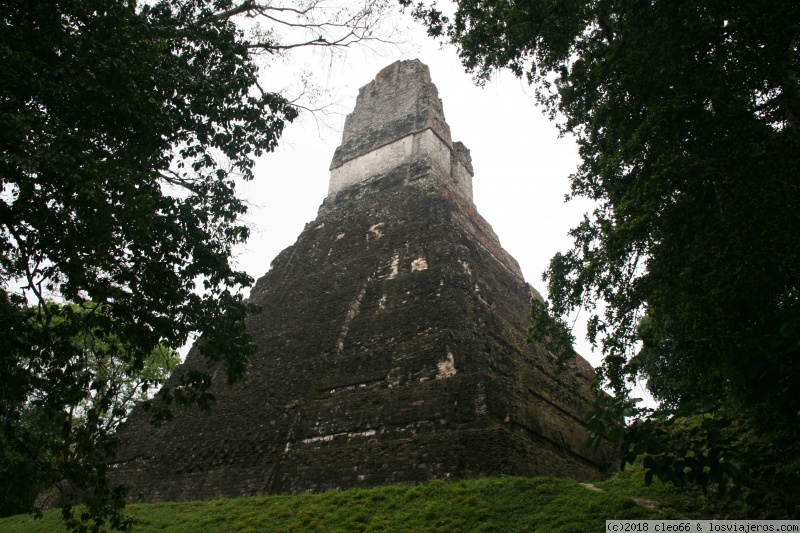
x=398 y=122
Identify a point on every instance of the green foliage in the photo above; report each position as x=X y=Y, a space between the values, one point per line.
x=21 y=478
x=487 y=504
x=552 y=331
x=711 y=448
x=47 y=445
x=122 y=133
x=685 y=114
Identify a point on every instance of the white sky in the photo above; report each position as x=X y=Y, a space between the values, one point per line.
x=521 y=166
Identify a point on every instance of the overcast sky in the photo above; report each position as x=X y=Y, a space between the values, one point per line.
x=521 y=165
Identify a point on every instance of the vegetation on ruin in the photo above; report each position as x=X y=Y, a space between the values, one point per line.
x=686 y=118
x=486 y=504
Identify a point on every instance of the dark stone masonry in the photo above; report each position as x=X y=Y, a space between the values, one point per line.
x=391 y=343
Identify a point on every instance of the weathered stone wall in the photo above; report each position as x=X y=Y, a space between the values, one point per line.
x=424 y=148
x=462 y=173
x=401 y=100
x=399 y=119
x=391 y=350
x=391 y=342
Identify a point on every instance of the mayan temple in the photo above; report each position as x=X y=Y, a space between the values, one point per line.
x=391 y=342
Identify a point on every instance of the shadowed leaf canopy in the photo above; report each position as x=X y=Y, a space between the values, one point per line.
x=686 y=117
x=122 y=134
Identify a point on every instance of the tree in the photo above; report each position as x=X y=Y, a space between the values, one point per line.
x=123 y=131
x=686 y=118
x=54 y=439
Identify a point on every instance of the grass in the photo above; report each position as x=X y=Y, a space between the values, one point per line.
x=503 y=504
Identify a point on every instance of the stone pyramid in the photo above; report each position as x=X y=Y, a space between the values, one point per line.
x=391 y=342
